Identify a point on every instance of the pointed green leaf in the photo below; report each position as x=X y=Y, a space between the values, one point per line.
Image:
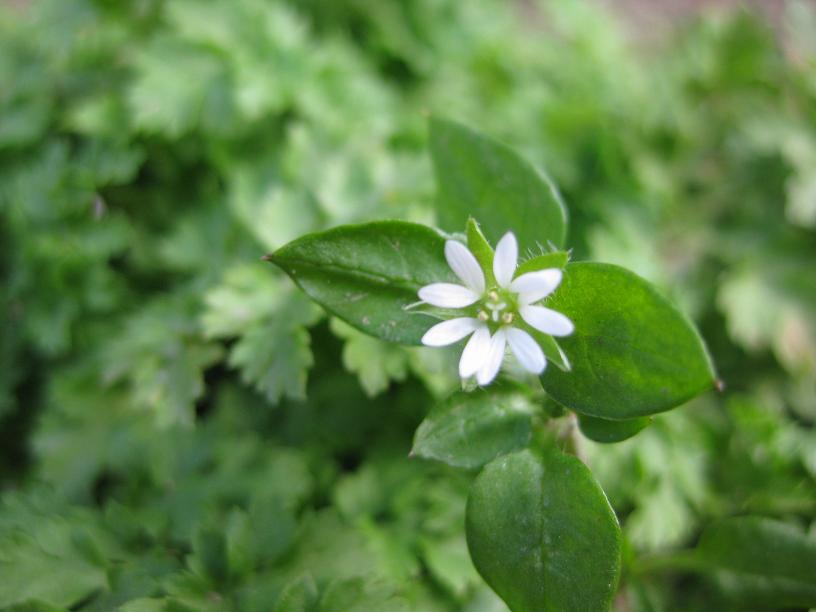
x=367 y=274
x=606 y=431
x=552 y=350
x=470 y=429
x=542 y=534
x=481 y=249
x=632 y=353
x=555 y=259
x=477 y=176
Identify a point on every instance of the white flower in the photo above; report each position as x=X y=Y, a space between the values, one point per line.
x=494 y=316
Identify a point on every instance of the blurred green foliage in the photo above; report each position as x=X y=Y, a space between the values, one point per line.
x=181 y=430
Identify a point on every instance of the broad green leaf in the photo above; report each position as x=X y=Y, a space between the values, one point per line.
x=468 y=430
x=479 y=177
x=542 y=533
x=761 y=562
x=632 y=353
x=606 y=430
x=367 y=274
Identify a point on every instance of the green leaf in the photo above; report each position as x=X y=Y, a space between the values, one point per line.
x=144 y=604
x=481 y=249
x=162 y=357
x=359 y=594
x=275 y=355
x=468 y=430
x=448 y=562
x=477 y=176
x=552 y=350
x=300 y=595
x=555 y=259
x=542 y=533
x=367 y=274
x=761 y=562
x=632 y=353
x=606 y=431
x=210 y=554
x=375 y=362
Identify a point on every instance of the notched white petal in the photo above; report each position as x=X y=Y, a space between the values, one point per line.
x=448 y=332
x=505 y=260
x=475 y=352
x=535 y=286
x=526 y=350
x=547 y=320
x=465 y=265
x=447 y=295
x=493 y=360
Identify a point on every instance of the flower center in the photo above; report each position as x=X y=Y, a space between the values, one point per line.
x=498 y=307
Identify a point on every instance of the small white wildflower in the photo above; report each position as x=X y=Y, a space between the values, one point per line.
x=494 y=314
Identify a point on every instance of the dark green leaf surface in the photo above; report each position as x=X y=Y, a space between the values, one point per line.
x=542 y=534
x=479 y=177
x=632 y=354
x=761 y=562
x=607 y=431
x=367 y=274
x=470 y=429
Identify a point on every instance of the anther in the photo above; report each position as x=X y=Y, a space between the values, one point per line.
x=493 y=296
x=507 y=317
x=482 y=316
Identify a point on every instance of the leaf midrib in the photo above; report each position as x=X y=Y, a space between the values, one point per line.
x=408 y=284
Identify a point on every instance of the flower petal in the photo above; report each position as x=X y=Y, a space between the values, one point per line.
x=547 y=320
x=526 y=350
x=535 y=286
x=505 y=260
x=464 y=264
x=447 y=295
x=492 y=363
x=448 y=332
x=475 y=352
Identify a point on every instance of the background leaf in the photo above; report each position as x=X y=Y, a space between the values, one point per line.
x=760 y=562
